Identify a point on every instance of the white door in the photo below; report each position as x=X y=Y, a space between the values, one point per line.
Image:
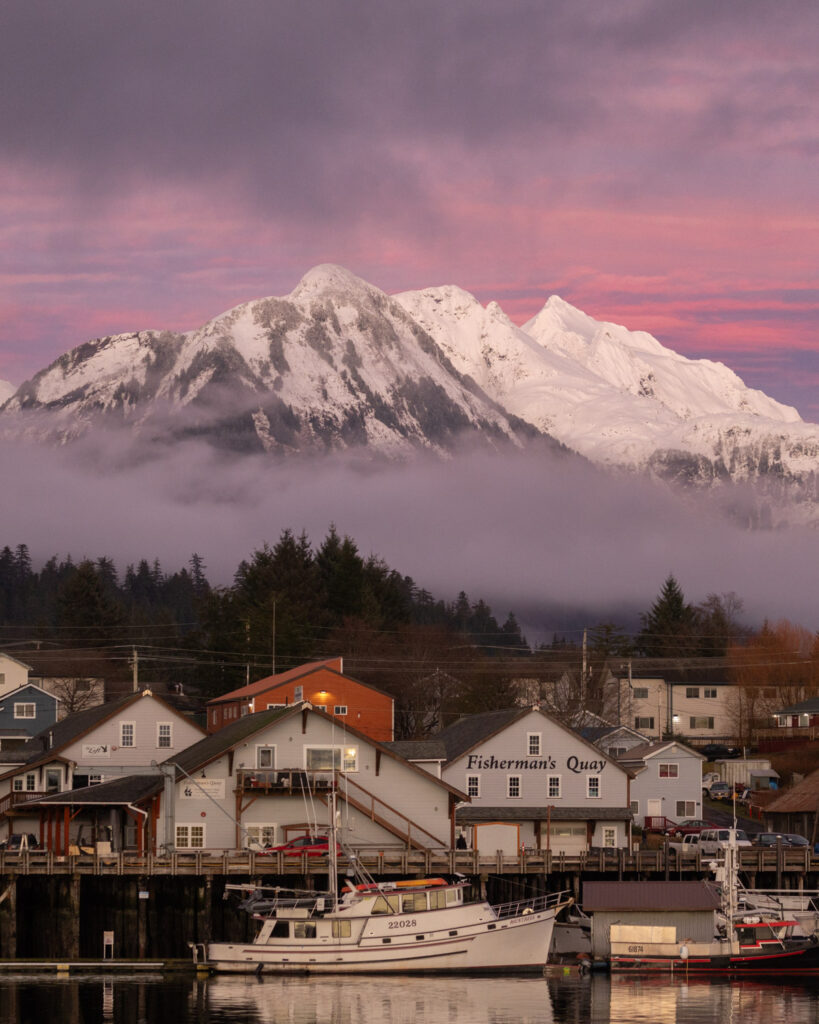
x=654 y=808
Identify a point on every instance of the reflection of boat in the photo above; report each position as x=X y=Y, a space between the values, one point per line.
x=361 y=1000
x=747 y=939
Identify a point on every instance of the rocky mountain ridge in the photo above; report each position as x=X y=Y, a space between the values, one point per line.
x=339 y=364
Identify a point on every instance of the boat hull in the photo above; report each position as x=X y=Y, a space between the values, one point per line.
x=514 y=944
x=802 y=958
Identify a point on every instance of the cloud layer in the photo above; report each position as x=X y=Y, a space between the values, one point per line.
x=551 y=538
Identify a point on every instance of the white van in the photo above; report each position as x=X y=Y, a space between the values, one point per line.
x=714 y=840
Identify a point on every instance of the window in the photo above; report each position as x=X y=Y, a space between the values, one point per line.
x=635 y=806
x=701 y=722
x=164 y=733
x=692 y=691
x=593 y=787
x=513 y=789
x=413 y=902
x=643 y=723
x=609 y=838
x=533 y=744
x=669 y=771
x=686 y=808
x=26 y=710
x=329 y=758
x=95 y=779
x=53 y=780
x=473 y=785
x=190 y=837
x=710 y=691
x=25 y=783
x=271 y=706
x=340 y=710
x=214 y=717
x=640 y=693
x=320 y=707
x=127 y=734
x=553 y=789
x=259 y=836
x=341 y=929
x=298 y=694
x=265 y=757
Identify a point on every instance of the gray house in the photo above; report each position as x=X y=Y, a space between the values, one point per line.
x=533 y=783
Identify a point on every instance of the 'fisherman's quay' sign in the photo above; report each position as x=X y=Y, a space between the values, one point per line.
x=482 y=762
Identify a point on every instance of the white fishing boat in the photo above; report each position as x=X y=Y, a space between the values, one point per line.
x=426 y=925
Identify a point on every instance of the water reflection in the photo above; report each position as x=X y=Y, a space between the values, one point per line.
x=397 y=1000
x=570 y=999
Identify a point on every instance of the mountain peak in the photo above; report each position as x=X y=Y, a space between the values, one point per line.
x=328 y=278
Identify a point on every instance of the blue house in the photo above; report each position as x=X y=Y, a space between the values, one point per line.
x=23 y=713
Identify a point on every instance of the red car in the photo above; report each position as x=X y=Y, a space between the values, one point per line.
x=310 y=846
x=691 y=826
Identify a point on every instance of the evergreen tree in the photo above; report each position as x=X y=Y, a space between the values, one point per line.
x=85 y=612
x=670 y=627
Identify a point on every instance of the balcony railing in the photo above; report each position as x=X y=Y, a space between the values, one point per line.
x=285 y=781
x=20 y=796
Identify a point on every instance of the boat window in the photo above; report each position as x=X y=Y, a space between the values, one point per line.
x=413 y=901
x=341 y=929
x=385 y=905
x=281 y=930
x=453 y=895
x=304 y=930
x=437 y=900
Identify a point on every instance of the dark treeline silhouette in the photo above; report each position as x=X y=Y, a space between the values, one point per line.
x=288 y=604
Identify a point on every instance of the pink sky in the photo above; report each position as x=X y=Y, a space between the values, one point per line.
x=652 y=162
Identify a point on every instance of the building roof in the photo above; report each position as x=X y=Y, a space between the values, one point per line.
x=418 y=750
x=10 y=657
x=622 y=897
x=31 y=686
x=293 y=675
x=475 y=813
x=805 y=707
x=646 y=750
x=693 y=671
x=804 y=796
x=128 y=789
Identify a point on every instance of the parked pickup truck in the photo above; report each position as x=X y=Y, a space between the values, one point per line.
x=687 y=846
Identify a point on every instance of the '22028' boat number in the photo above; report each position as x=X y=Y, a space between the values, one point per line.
x=411 y=923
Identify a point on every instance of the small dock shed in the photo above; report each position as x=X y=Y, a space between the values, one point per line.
x=691 y=907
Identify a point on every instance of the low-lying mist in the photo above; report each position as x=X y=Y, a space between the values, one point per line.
x=549 y=537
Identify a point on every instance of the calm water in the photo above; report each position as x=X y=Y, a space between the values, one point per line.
x=571 y=1000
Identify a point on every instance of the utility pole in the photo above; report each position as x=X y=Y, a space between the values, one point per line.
x=273 y=661
x=135 y=666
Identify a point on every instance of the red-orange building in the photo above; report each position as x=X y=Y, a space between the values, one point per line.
x=324 y=684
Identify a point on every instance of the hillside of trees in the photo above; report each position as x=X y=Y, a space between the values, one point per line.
x=296 y=602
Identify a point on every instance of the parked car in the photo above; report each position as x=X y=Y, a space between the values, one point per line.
x=714 y=840
x=311 y=846
x=720 y=791
x=780 y=838
x=19 y=841
x=688 y=827
x=718 y=751
x=688 y=845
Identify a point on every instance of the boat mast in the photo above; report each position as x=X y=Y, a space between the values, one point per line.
x=332 y=881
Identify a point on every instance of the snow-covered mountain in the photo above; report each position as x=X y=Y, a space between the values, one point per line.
x=6 y=390
x=339 y=364
x=335 y=364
